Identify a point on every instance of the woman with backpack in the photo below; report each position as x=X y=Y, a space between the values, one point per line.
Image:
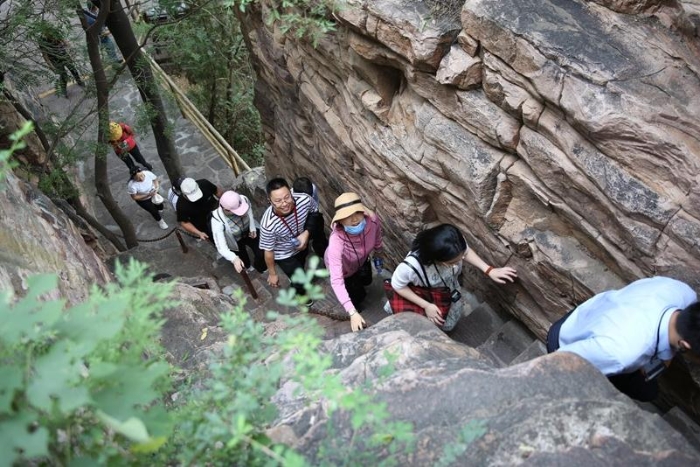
x=121 y=137
x=233 y=227
x=426 y=281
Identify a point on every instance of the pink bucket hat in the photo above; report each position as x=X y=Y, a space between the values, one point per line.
x=232 y=201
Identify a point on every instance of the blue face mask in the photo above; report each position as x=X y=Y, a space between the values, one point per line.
x=355 y=229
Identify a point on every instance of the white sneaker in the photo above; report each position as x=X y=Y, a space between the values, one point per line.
x=162 y=224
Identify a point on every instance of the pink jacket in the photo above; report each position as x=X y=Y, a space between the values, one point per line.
x=343 y=261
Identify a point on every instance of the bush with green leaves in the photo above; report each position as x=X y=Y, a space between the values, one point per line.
x=224 y=422
x=82 y=384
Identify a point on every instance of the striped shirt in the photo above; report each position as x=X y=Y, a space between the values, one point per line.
x=277 y=233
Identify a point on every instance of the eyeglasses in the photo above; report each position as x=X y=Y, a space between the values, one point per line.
x=279 y=202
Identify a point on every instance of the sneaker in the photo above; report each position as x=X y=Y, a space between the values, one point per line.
x=250 y=269
x=309 y=303
x=387 y=309
x=162 y=224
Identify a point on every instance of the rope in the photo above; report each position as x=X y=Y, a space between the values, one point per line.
x=152 y=240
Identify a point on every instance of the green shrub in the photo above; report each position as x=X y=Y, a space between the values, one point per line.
x=83 y=383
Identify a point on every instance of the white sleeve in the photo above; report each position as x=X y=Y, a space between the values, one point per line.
x=403 y=276
x=217 y=231
x=130 y=188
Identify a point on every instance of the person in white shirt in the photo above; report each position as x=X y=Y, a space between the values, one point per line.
x=143 y=188
x=435 y=260
x=233 y=228
x=631 y=334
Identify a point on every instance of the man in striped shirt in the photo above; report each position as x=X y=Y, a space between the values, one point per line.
x=284 y=232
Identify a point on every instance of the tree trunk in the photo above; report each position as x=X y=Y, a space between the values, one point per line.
x=118 y=23
x=213 y=98
x=101 y=177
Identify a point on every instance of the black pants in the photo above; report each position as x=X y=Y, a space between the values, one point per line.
x=258 y=256
x=138 y=157
x=153 y=209
x=631 y=384
x=291 y=264
x=319 y=241
x=355 y=284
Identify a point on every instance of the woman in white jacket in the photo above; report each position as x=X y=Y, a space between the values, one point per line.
x=233 y=228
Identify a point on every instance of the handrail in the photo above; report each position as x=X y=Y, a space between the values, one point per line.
x=188 y=109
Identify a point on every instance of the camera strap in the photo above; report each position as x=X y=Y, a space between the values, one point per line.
x=442 y=279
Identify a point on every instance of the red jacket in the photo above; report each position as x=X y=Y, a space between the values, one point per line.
x=126 y=143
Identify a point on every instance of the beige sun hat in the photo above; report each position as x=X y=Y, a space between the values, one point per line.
x=346 y=205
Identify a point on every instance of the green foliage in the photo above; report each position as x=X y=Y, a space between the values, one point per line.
x=82 y=383
x=17 y=144
x=469 y=433
x=303 y=19
x=206 y=48
x=225 y=421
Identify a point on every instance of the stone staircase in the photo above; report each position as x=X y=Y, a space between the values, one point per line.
x=497 y=335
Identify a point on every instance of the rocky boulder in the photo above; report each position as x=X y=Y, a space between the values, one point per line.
x=555 y=410
x=36 y=237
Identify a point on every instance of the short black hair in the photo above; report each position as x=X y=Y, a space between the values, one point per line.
x=688 y=326
x=134 y=170
x=176 y=186
x=303 y=185
x=276 y=184
x=442 y=243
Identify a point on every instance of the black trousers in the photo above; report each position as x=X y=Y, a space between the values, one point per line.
x=319 y=241
x=153 y=209
x=291 y=264
x=632 y=384
x=258 y=255
x=355 y=285
x=138 y=157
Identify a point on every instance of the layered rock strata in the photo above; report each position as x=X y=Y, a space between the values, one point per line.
x=555 y=410
x=563 y=137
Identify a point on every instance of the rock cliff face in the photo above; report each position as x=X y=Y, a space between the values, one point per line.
x=562 y=136
x=37 y=237
x=555 y=410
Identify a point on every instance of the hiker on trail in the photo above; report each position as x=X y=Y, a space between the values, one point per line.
x=143 y=187
x=319 y=242
x=121 y=137
x=90 y=12
x=54 y=48
x=284 y=231
x=631 y=334
x=433 y=265
x=233 y=228
x=199 y=198
x=356 y=233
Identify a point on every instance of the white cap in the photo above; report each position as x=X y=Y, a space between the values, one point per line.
x=190 y=189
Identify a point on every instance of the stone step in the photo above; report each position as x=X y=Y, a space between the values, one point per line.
x=534 y=350
x=507 y=343
x=682 y=423
x=476 y=328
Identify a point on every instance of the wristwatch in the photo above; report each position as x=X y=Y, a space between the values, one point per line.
x=352 y=313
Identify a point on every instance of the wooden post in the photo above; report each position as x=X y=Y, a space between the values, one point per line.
x=249 y=284
x=182 y=242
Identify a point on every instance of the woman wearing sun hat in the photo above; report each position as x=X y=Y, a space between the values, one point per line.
x=356 y=233
x=233 y=227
